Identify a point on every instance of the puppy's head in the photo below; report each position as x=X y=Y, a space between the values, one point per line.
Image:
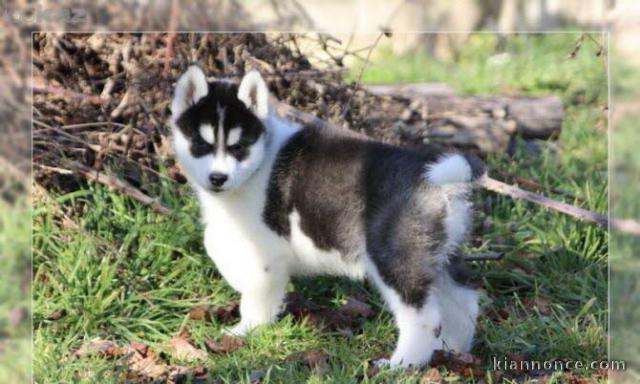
x=218 y=129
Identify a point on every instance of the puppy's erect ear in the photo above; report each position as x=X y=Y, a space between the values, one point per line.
x=191 y=87
x=253 y=92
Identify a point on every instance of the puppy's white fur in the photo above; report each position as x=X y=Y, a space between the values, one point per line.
x=452 y=168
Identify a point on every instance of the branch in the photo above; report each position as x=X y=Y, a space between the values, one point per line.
x=171 y=37
x=120 y=186
x=486 y=256
x=628 y=226
x=97 y=100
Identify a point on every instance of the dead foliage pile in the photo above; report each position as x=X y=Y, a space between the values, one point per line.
x=103 y=100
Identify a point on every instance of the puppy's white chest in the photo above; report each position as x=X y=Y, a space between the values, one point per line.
x=240 y=244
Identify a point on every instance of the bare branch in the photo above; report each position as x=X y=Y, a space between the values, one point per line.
x=118 y=185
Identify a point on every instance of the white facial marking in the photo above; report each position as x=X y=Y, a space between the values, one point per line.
x=234 y=136
x=222 y=162
x=220 y=128
x=206 y=132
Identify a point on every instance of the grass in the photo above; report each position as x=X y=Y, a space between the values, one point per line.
x=125 y=273
x=625 y=263
x=15 y=341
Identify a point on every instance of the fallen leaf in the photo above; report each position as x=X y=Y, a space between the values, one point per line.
x=99 y=347
x=299 y=306
x=354 y=308
x=518 y=358
x=542 y=304
x=143 y=349
x=316 y=360
x=464 y=364
x=57 y=314
x=541 y=376
x=342 y=320
x=200 y=313
x=226 y=345
x=374 y=364
x=180 y=374
x=372 y=371
x=184 y=350
x=497 y=314
x=227 y=313
x=572 y=378
x=146 y=368
x=200 y=372
x=432 y=376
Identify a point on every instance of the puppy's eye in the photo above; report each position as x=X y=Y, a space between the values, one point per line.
x=234 y=147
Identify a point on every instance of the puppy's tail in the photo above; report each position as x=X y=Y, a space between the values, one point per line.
x=453 y=168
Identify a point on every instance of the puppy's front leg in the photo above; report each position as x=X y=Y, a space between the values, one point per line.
x=261 y=300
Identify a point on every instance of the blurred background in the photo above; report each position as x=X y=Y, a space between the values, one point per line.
x=400 y=58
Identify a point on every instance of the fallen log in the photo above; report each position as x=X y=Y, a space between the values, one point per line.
x=484 y=122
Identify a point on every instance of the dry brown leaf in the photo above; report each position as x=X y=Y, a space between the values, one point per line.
x=180 y=374
x=542 y=304
x=147 y=368
x=142 y=348
x=572 y=378
x=200 y=313
x=354 y=308
x=299 y=306
x=226 y=345
x=183 y=350
x=373 y=370
x=432 y=376
x=464 y=364
x=316 y=360
x=99 y=347
x=497 y=314
x=227 y=313
x=57 y=314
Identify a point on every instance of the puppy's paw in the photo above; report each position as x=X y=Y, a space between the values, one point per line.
x=239 y=330
x=382 y=363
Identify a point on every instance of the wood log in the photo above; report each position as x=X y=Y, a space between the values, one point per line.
x=484 y=122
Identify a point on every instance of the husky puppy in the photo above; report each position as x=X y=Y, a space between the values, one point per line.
x=279 y=199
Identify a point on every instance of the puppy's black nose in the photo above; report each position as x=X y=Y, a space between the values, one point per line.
x=217 y=179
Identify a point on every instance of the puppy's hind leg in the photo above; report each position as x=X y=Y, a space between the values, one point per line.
x=460 y=309
x=419 y=331
x=418 y=317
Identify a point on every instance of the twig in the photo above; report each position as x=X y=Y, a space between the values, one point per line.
x=529 y=183
x=485 y=256
x=623 y=225
x=70 y=94
x=385 y=30
x=120 y=186
x=171 y=37
x=357 y=83
x=517 y=193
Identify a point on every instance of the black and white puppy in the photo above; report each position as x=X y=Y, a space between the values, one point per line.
x=279 y=199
